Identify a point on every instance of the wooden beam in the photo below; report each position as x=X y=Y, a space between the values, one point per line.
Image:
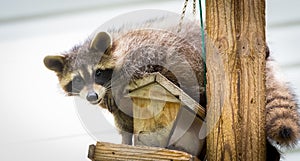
x=112 y=152
x=236 y=80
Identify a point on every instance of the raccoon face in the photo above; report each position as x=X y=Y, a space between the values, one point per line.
x=82 y=71
x=89 y=83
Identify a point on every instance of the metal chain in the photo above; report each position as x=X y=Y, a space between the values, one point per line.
x=184 y=10
x=182 y=16
x=201 y=23
x=194 y=7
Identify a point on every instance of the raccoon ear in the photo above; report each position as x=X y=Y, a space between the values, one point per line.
x=55 y=63
x=101 y=42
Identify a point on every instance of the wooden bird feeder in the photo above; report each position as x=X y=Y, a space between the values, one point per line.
x=164 y=116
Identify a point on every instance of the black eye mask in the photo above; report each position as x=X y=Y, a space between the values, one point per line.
x=102 y=77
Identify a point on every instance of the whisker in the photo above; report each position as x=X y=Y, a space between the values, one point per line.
x=72 y=93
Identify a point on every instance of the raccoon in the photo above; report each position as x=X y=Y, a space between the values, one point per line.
x=89 y=70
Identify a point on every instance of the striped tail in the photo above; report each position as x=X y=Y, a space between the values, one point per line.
x=282 y=118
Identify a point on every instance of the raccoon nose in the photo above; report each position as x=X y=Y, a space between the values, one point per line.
x=92 y=96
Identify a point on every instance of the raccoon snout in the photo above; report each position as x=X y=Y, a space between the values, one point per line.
x=92 y=96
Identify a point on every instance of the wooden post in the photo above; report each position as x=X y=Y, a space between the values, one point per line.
x=236 y=80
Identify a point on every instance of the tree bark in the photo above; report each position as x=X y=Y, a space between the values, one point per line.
x=236 y=52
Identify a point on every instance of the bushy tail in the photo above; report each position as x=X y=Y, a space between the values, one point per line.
x=282 y=119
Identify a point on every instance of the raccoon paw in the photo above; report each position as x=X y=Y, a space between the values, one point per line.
x=284 y=132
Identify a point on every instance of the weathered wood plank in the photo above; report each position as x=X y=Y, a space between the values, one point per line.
x=119 y=152
x=155 y=92
x=153 y=121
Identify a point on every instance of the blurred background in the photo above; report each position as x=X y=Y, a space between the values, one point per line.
x=37 y=122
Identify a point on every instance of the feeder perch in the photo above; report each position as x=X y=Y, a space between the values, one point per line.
x=111 y=152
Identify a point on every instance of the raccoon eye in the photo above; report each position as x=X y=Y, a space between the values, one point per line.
x=98 y=72
x=103 y=76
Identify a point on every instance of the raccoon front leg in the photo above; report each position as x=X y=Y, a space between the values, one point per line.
x=282 y=117
x=124 y=123
x=126 y=137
